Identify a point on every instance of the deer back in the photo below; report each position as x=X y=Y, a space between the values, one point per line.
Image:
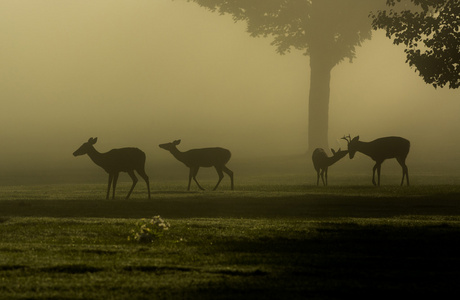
x=122 y=160
x=206 y=157
x=390 y=147
x=319 y=158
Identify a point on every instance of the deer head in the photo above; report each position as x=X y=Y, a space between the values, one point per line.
x=352 y=145
x=85 y=147
x=170 y=146
x=339 y=153
x=334 y=153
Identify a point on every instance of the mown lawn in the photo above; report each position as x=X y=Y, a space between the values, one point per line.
x=288 y=242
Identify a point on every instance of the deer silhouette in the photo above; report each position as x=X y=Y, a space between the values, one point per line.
x=116 y=161
x=205 y=157
x=321 y=162
x=381 y=149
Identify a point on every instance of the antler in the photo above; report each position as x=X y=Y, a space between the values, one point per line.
x=347 y=138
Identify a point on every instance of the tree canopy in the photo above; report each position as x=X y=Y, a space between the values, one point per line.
x=431 y=34
x=333 y=27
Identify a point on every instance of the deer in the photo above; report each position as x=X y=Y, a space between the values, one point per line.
x=321 y=162
x=205 y=157
x=116 y=161
x=380 y=150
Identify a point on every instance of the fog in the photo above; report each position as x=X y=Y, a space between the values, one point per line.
x=141 y=73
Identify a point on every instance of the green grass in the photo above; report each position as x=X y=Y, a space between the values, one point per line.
x=285 y=241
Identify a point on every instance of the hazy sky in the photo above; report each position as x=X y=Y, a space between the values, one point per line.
x=139 y=73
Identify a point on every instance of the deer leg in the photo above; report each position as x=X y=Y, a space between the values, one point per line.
x=229 y=173
x=378 y=174
x=146 y=178
x=110 y=183
x=221 y=175
x=402 y=180
x=373 y=174
x=194 y=172
x=322 y=176
x=407 y=176
x=190 y=175
x=317 y=177
x=134 y=178
x=325 y=173
x=115 y=179
x=402 y=162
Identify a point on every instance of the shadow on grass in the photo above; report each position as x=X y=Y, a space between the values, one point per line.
x=236 y=206
x=71 y=269
x=12 y=267
x=345 y=260
x=157 y=269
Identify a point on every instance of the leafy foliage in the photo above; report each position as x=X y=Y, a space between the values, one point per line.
x=430 y=30
x=149 y=230
x=330 y=28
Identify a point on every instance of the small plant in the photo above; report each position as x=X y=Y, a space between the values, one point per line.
x=149 y=230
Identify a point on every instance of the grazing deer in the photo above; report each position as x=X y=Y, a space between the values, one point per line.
x=205 y=157
x=321 y=162
x=116 y=161
x=381 y=149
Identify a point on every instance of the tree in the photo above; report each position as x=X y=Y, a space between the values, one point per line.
x=327 y=30
x=431 y=35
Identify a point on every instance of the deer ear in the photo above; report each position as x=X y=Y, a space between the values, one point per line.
x=333 y=151
x=176 y=142
x=356 y=138
x=92 y=141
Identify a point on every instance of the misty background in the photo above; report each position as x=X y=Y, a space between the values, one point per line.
x=141 y=73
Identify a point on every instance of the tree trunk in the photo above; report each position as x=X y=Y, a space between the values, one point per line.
x=318 y=108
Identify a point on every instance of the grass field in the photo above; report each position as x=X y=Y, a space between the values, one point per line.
x=283 y=241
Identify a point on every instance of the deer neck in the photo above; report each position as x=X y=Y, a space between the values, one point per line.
x=96 y=157
x=332 y=160
x=365 y=148
x=178 y=155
